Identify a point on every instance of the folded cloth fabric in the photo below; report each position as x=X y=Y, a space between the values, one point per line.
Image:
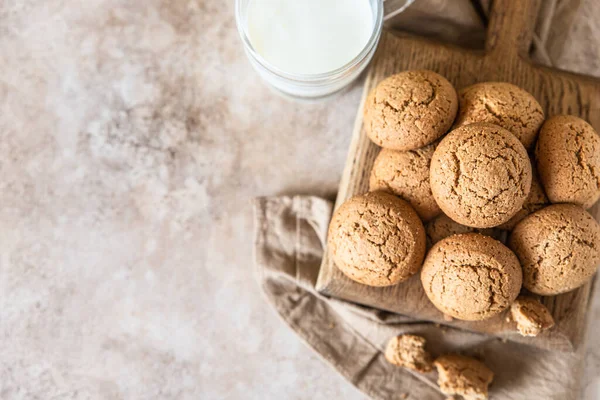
x=290 y=234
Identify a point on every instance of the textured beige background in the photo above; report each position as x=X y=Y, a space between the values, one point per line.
x=132 y=137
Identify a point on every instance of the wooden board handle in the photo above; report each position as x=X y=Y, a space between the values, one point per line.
x=511 y=26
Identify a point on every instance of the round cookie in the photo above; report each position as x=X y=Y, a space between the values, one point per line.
x=471 y=277
x=536 y=200
x=410 y=110
x=406 y=174
x=502 y=104
x=559 y=248
x=568 y=159
x=480 y=175
x=442 y=226
x=376 y=239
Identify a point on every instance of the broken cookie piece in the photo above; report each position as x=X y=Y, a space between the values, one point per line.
x=531 y=316
x=409 y=351
x=463 y=376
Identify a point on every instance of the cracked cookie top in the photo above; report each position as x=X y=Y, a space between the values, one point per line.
x=480 y=175
x=410 y=110
x=536 y=200
x=501 y=104
x=471 y=276
x=376 y=239
x=559 y=248
x=568 y=159
x=406 y=174
x=442 y=226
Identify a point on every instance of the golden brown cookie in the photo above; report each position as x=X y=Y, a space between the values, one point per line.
x=568 y=159
x=559 y=248
x=408 y=351
x=536 y=200
x=531 y=316
x=377 y=239
x=480 y=175
x=442 y=226
x=410 y=110
x=501 y=104
x=464 y=376
x=406 y=174
x=471 y=276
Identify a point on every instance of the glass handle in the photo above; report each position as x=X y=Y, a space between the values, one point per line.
x=391 y=8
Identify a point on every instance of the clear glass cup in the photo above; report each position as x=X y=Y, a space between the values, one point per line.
x=310 y=86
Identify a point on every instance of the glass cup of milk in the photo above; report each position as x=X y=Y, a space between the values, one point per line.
x=309 y=48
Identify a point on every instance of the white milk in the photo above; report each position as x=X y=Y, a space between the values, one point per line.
x=309 y=36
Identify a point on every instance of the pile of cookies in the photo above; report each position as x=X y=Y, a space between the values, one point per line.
x=457 y=172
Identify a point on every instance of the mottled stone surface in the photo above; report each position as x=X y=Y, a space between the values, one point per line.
x=132 y=137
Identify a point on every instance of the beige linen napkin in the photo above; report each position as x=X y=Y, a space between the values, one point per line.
x=291 y=231
x=290 y=237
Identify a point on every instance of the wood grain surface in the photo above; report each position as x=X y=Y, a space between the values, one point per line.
x=504 y=59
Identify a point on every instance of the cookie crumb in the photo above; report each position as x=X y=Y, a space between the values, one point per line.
x=409 y=351
x=464 y=376
x=404 y=396
x=448 y=318
x=531 y=316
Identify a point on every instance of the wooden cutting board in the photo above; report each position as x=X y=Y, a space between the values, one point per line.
x=504 y=59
